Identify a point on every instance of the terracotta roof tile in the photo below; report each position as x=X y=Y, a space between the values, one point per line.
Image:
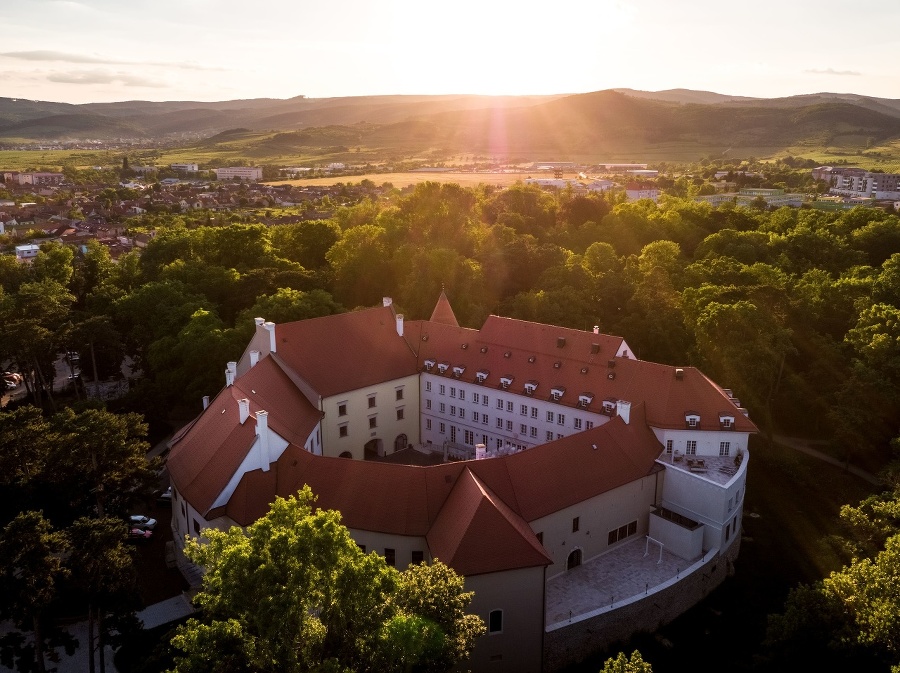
x=443 y=312
x=476 y=532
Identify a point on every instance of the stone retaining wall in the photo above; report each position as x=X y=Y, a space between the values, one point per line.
x=571 y=644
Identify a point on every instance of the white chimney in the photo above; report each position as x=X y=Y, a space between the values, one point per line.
x=400 y=324
x=206 y=401
x=244 y=409
x=480 y=452
x=271 y=327
x=262 y=431
x=596 y=329
x=230 y=369
x=259 y=321
x=254 y=358
x=387 y=301
x=623 y=409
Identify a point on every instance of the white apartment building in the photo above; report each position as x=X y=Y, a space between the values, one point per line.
x=239 y=173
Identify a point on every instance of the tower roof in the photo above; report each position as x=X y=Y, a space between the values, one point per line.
x=443 y=312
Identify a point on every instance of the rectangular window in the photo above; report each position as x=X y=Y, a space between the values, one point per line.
x=462 y=394
x=418 y=557
x=342 y=409
x=622 y=532
x=452 y=410
x=523 y=409
x=534 y=412
x=509 y=426
x=724 y=448
x=342 y=430
x=549 y=436
x=691 y=447
x=442 y=389
x=499 y=443
x=588 y=425
x=509 y=406
x=533 y=432
x=549 y=416
x=428 y=386
x=500 y=404
x=484 y=418
x=470 y=437
x=371 y=401
x=443 y=428
x=399 y=394
x=390 y=556
x=452 y=391
x=462 y=412
x=560 y=419
x=373 y=421
x=484 y=400
x=476 y=398
x=575 y=523
x=428 y=424
x=523 y=429
x=559 y=435
x=428 y=404
x=399 y=414
x=577 y=422
x=495 y=621
x=196 y=527
x=669 y=445
x=500 y=423
x=442 y=408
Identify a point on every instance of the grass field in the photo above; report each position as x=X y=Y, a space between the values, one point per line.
x=401 y=180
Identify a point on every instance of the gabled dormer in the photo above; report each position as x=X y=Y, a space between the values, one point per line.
x=443 y=367
x=585 y=399
x=691 y=420
x=506 y=382
x=458 y=371
x=481 y=375
x=429 y=364
x=530 y=387
x=609 y=406
x=556 y=393
x=726 y=421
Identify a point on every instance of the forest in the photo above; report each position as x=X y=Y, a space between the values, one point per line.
x=796 y=310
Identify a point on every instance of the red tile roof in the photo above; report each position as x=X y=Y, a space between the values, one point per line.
x=344 y=352
x=443 y=312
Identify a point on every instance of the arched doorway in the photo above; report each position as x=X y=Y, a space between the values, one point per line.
x=574 y=559
x=346 y=454
x=400 y=443
x=374 y=448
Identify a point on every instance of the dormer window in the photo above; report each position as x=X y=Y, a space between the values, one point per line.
x=530 y=387
x=458 y=371
x=429 y=365
x=506 y=382
x=556 y=393
x=585 y=399
x=442 y=367
x=692 y=420
x=726 y=421
x=609 y=407
x=482 y=375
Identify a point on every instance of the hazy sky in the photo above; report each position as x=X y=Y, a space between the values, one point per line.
x=110 y=50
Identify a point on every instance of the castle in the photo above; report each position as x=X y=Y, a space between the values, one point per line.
x=583 y=493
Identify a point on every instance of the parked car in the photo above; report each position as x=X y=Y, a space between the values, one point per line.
x=73 y=356
x=10 y=385
x=135 y=534
x=141 y=521
x=165 y=497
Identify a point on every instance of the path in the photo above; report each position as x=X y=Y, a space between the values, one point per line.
x=805 y=446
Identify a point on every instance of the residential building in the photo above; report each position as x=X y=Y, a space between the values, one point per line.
x=566 y=462
x=636 y=191
x=773 y=198
x=858 y=182
x=239 y=173
x=186 y=168
x=32 y=178
x=27 y=252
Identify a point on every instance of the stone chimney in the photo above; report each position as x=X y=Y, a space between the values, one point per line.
x=259 y=322
x=206 y=401
x=596 y=329
x=400 y=324
x=262 y=431
x=623 y=409
x=244 y=409
x=254 y=358
x=387 y=301
x=270 y=326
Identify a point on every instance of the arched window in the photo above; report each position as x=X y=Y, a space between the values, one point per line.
x=346 y=454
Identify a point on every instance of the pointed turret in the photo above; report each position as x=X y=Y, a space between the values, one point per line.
x=443 y=312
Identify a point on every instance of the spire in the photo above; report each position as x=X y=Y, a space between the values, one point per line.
x=443 y=312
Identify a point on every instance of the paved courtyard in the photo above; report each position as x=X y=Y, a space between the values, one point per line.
x=619 y=574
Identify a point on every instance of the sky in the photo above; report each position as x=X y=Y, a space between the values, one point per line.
x=80 y=51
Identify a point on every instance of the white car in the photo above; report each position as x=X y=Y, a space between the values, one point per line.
x=141 y=521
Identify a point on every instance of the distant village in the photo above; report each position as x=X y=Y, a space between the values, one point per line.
x=41 y=206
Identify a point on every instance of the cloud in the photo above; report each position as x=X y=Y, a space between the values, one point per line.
x=104 y=77
x=832 y=71
x=66 y=57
